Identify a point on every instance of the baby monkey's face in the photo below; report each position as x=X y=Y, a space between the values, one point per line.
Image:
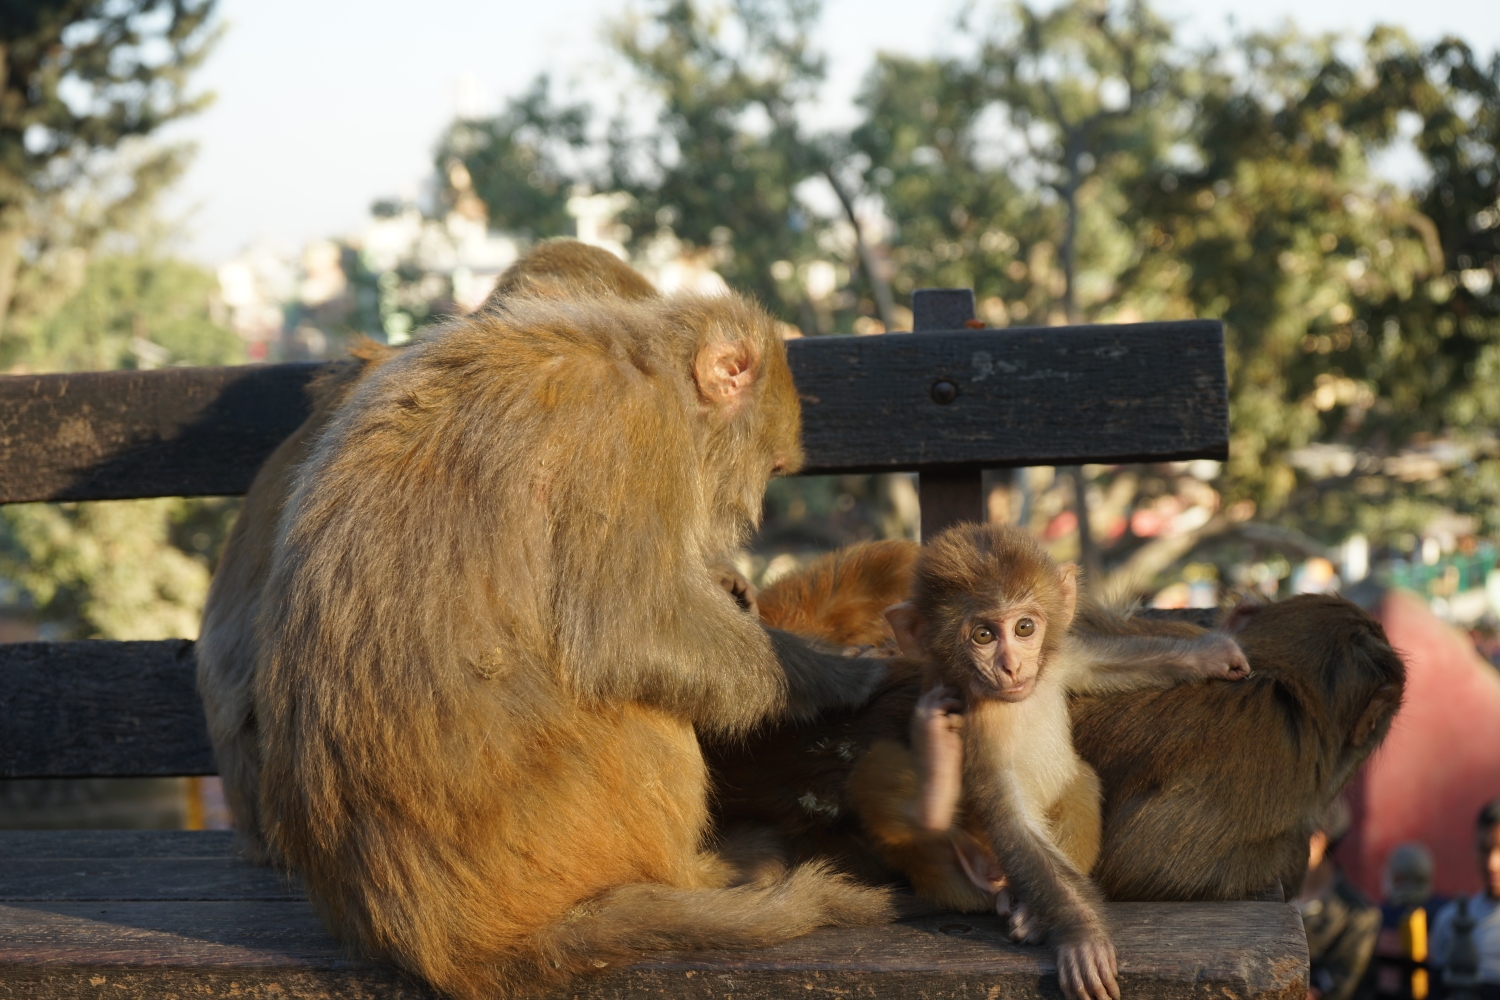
x=997 y=652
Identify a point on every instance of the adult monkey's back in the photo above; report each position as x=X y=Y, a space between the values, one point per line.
x=489 y=633
x=228 y=646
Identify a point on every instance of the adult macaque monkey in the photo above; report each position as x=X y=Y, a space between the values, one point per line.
x=989 y=617
x=227 y=644
x=489 y=634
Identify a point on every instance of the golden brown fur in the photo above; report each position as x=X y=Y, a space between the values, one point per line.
x=227 y=647
x=840 y=597
x=490 y=632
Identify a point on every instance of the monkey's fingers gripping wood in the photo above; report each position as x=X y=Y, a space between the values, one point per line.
x=146 y=914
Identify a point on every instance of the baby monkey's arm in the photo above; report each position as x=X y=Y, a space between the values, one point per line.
x=1102 y=664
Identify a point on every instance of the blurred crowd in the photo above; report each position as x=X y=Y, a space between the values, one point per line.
x=1414 y=945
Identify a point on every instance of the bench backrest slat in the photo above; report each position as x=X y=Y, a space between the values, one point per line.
x=1045 y=396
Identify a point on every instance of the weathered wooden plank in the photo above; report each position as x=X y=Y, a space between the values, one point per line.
x=942 y=309
x=1227 y=951
x=1058 y=395
x=107 y=709
x=170 y=432
x=1040 y=396
x=46 y=845
x=88 y=879
x=101 y=708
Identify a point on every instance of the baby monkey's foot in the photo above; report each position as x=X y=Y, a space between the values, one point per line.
x=1218 y=655
x=1087 y=968
x=937 y=738
x=1024 y=927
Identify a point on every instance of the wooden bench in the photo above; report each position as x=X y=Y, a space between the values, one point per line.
x=148 y=914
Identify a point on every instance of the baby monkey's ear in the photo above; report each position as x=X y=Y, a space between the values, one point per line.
x=1067 y=589
x=907 y=625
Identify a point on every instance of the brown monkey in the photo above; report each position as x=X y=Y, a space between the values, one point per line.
x=989 y=616
x=490 y=632
x=1211 y=791
x=227 y=646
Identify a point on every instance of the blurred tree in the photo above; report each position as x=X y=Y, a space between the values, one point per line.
x=720 y=170
x=81 y=77
x=1081 y=163
x=1349 y=340
x=522 y=164
x=86 y=283
x=132 y=310
x=106 y=570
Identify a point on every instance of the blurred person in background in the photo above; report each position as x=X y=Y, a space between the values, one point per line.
x=1466 y=936
x=1341 y=924
x=1399 y=969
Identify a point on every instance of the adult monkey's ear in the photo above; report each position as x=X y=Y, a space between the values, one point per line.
x=725 y=370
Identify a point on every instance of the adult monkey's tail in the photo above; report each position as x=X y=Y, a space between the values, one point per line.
x=632 y=919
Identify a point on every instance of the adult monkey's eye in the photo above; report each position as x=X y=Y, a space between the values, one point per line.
x=982 y=635
x=1025 y=627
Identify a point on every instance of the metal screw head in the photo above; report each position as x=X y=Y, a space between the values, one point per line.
x=944 y=392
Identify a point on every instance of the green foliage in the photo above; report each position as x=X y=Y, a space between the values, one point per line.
x=1081 y=162
x=83 y=75
x=520 y=161
x=722 y=166
x=105 y=570
x=84 y=285
x=132 y=310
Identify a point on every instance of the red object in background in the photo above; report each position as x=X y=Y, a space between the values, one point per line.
x=1441 y=761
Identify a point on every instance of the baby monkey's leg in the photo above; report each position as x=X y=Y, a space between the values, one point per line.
x=937 y=739
x=1077 y=825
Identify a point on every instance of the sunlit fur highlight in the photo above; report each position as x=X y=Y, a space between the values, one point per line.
x=489 y=635
x=226 y=648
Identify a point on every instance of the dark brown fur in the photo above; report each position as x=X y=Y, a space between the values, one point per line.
x=1211 y=792
x=227 y=644
x=490 y=632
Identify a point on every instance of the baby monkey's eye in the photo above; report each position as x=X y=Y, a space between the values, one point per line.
x=1025 y=627
x=982 y=635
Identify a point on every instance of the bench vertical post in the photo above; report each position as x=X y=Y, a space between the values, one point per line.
x=947 y=495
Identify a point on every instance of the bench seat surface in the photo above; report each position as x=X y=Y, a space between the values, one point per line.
x=164 y=914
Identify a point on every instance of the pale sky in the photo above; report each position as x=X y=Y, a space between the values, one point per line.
x=325 y=106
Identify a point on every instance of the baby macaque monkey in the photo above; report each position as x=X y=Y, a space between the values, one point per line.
x=988 y=618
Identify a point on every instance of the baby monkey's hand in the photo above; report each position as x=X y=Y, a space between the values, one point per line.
x=1218 y=655
x=937 y=739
